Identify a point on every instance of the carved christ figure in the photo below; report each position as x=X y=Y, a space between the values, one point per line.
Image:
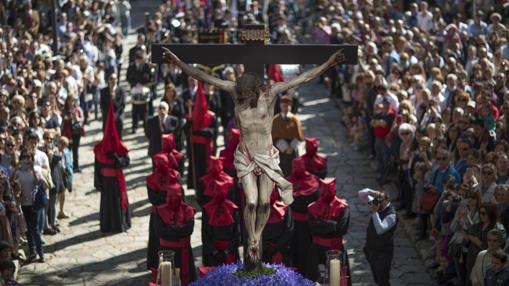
x=256 y=159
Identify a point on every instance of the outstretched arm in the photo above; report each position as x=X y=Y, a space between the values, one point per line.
x=198 y=74
x=308 y=75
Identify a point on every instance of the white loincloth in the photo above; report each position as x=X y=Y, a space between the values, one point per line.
x=269 y=164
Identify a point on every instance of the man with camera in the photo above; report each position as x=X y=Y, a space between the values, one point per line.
x=379 y=248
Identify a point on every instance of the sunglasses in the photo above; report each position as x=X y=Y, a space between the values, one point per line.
x=487 y=173
x=405 y=133
x=482 y=213
x=418 y=87
x=442 y=158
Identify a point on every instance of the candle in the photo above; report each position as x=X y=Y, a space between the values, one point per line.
x=165 y=269
x=334 y=272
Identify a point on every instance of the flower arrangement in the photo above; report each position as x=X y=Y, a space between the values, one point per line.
x=227 y=275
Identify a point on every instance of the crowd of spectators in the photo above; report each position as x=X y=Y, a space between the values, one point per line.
x=49 y=92
x=428 y=101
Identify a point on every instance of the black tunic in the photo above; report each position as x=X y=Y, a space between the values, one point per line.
x=322 y=173
x=212 y=256
x=277 y=237
x=326 y=229
x=199 y=155
x=302 y=238
x=156 y=198
x=175 y=233
x=111 y=215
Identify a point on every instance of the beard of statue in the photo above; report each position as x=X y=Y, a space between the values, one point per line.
x=247 y=88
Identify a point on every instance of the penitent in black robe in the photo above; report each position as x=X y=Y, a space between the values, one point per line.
x=112 y=217
x=176 y=233
x=302 y=237
x=220 y=243
x=277 y=238
x=156 y=198
x=198 y=158
x=326 y=229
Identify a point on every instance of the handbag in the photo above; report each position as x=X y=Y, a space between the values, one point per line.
x=75 y=125
x=39 y=197
x=429 y=198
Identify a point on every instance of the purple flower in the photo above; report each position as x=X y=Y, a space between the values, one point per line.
x=225 y=275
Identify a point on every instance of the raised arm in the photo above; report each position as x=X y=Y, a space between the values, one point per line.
x=308 y=75
x=225 y=85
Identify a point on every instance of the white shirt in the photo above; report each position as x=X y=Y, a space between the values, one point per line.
x=26 y=181
x=425 y=21
x=393 y=101
x=41 y=159
x=382 y=226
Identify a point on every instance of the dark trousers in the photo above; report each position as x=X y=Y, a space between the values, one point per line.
x=406 y=195
x=380 y=261
x=51 y=211
x=75 y=146
x=382 y=154
x=33 y=220
x=139 y=113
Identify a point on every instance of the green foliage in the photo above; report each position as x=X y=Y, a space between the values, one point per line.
x=258 y=271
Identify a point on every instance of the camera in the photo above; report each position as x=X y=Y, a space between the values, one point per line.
x=375 y=201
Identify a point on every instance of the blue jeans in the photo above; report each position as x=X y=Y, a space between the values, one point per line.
x=34 y=219
x=382 y=154
x=125 y=23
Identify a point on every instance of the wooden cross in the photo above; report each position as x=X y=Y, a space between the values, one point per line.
x=254 y=53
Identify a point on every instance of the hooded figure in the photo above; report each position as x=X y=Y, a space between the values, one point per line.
x=228 y=153
x=329 y=218
x=221 y=227
x=315 y=164
x=164 y=179
x=305 y=191
x=111 y=155
x=278 y=232
x=216 y=173
x=216 y=181
x=204 y=133
x=174 y=224
x=168 y=146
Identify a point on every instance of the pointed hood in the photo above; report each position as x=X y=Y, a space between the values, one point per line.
x=163 y=177
x=110 y=141
x=314 y=162
x=304 y=183
x=175 y=211
x=201 y=117
x=228 y=153
x=216 y=174
x=220 y=209
x=168 y=146
x=328 y=205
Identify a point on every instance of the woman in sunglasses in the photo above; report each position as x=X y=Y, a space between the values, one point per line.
x=477 y=236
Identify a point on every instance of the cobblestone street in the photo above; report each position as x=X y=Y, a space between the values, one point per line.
x=82 y=255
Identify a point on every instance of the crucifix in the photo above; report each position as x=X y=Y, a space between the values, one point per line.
x=256 y=159
x=254 y=53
